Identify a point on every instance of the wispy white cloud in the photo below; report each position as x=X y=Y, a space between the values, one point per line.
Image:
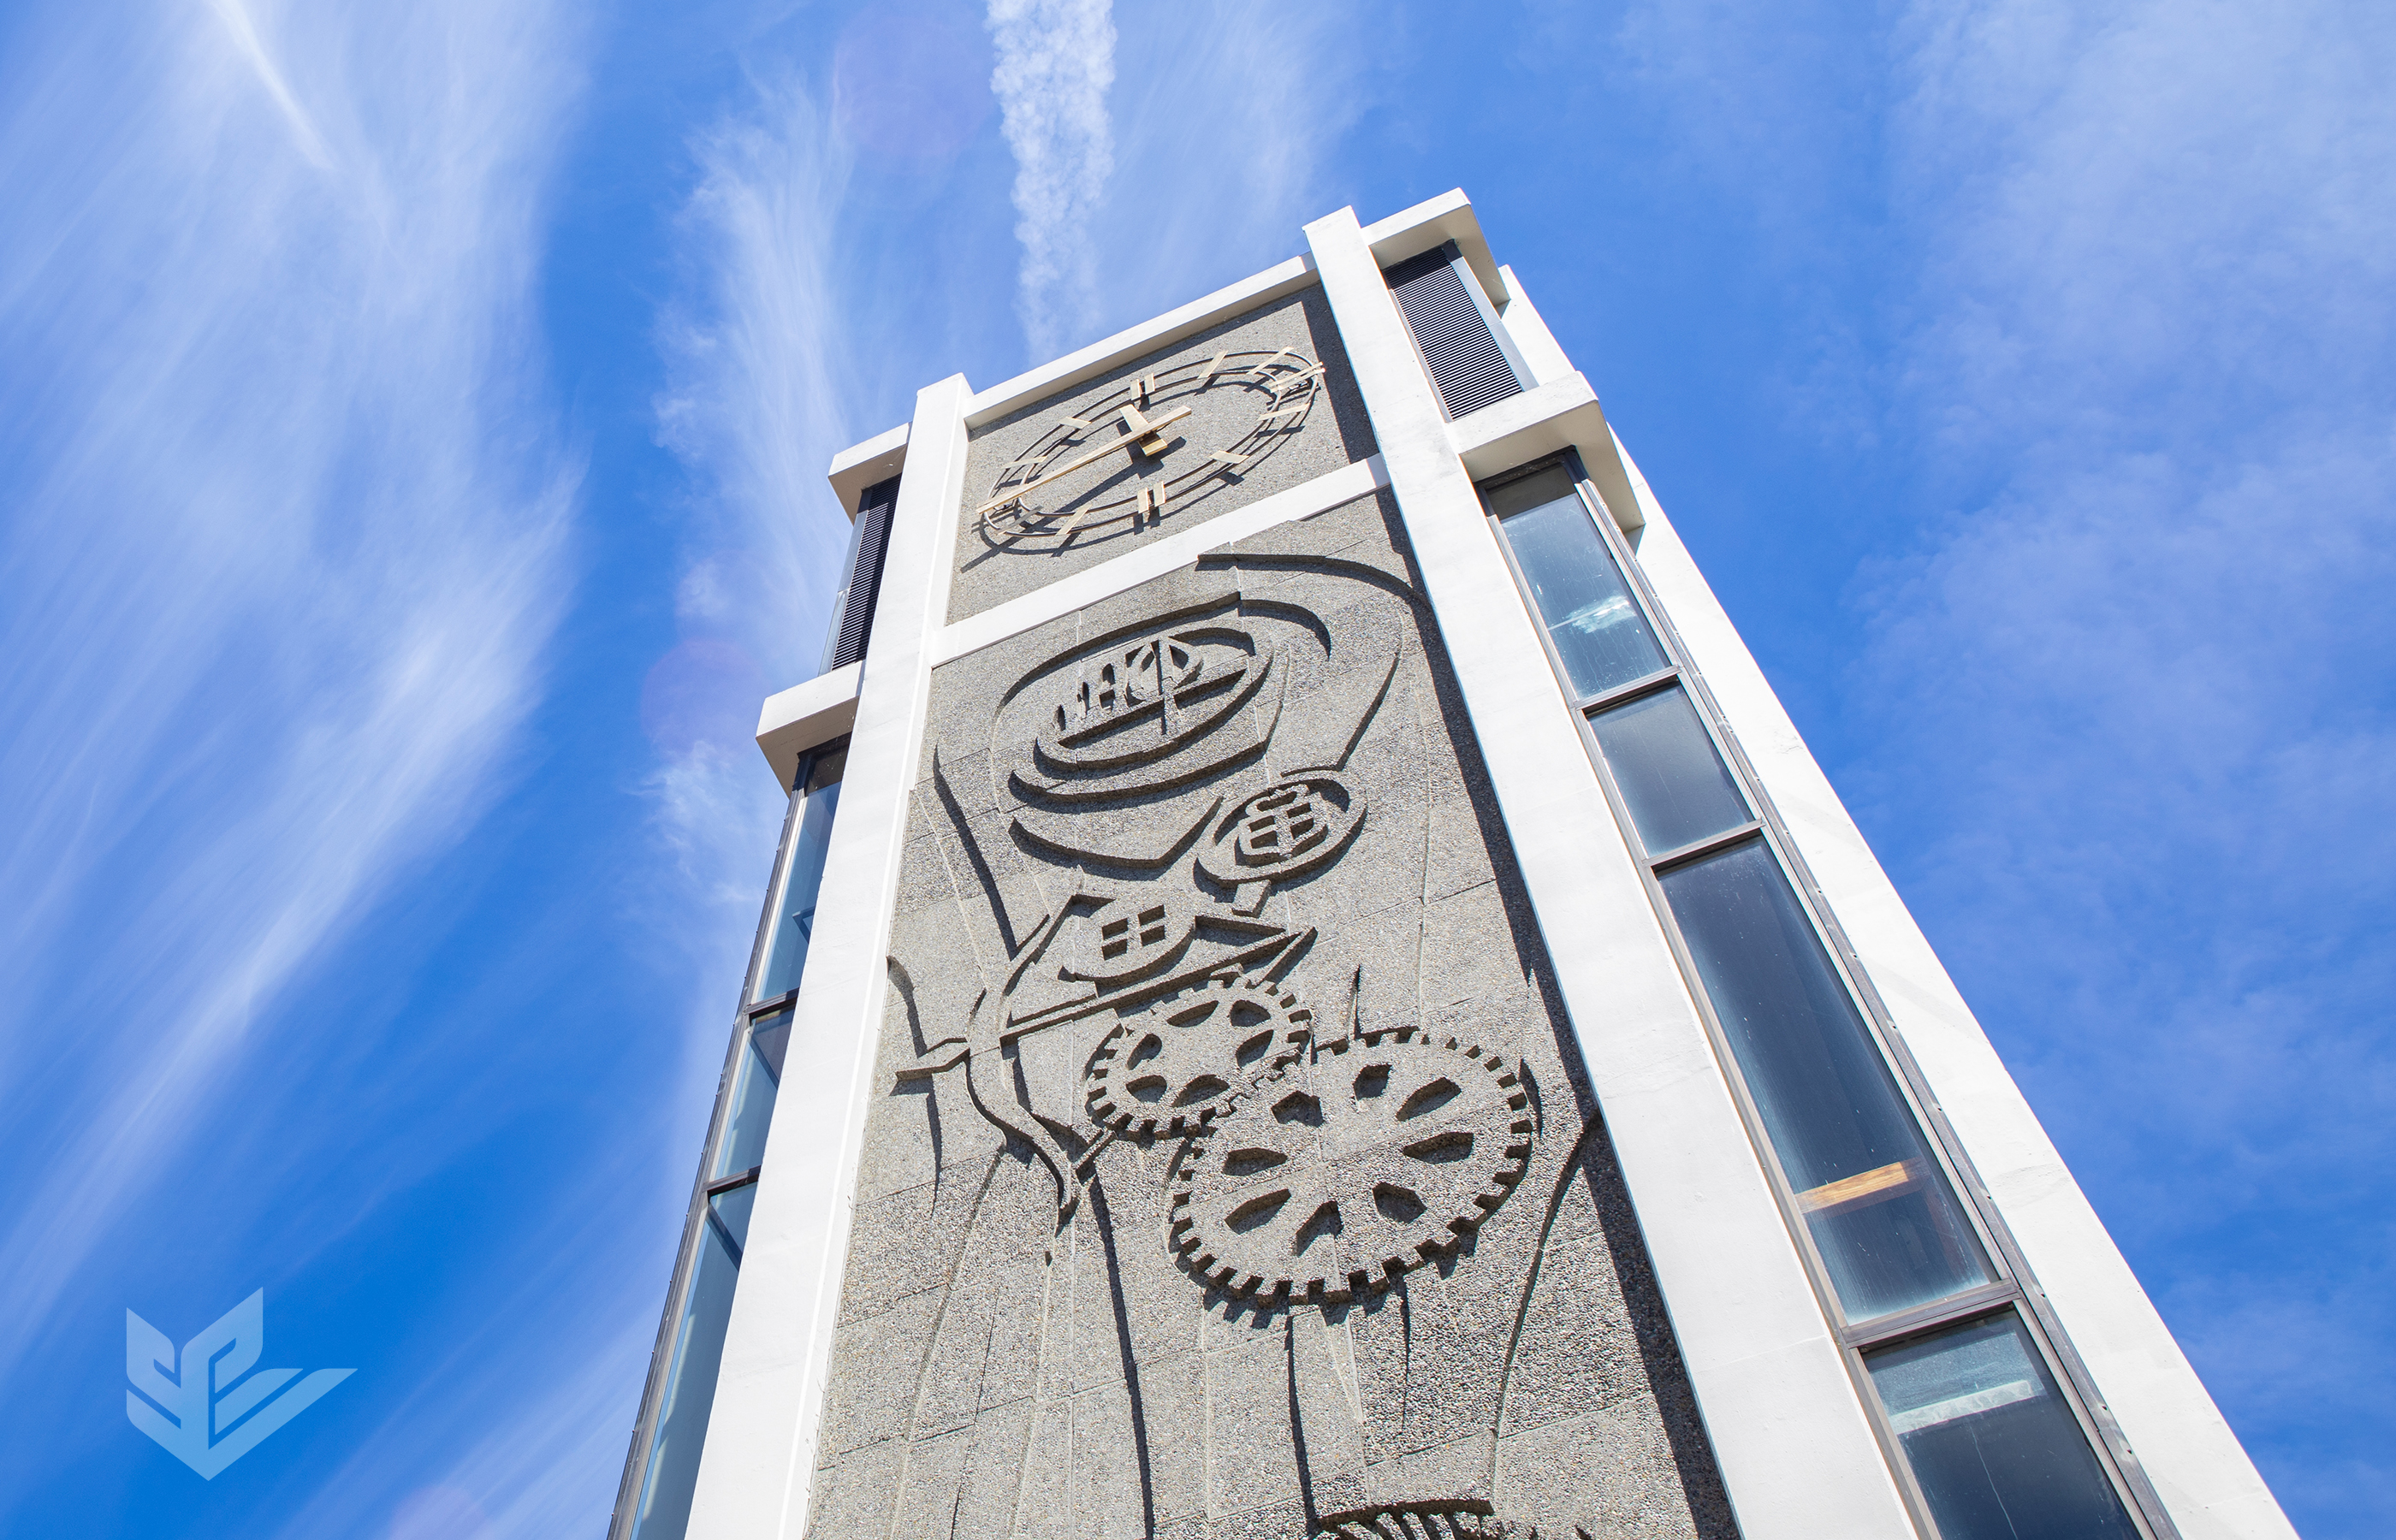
x=752 y=406
x=287 y=537
x=2097 y=303
x=753 y=409
x=2131 y=692
x=1229 y=121
x=1056 y=65
x=243 y=32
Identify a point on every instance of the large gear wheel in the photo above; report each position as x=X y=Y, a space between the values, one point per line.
x=1342 y=1172
x=1184 y=1061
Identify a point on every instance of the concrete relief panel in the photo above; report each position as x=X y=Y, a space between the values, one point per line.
x=1251 y=408
x=1230 y=1173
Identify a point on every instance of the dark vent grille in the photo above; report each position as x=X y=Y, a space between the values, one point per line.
x=1467 y=361
x=854 y=627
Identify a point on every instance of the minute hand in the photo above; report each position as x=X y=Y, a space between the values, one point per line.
x=1101 y=452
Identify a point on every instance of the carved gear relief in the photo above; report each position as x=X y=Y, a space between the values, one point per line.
x=1188 y=1060
x=1155 y=831
x=1380 y=1154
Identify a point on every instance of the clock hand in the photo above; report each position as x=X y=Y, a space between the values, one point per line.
x=1155 y=426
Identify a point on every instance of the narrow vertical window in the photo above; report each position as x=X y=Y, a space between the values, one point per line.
x=1599 y=637
x=1674 y=785
x=662 y=1471
x=794 y=909
x=852 y=608
x=696 y=1355
x=1993 y=1442
x=1464 y=345
x=1886 y=1226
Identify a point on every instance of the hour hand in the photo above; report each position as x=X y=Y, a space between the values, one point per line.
x=1148 y=437
x=1151 y=430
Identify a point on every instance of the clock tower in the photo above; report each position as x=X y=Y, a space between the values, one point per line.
x=1310 y=989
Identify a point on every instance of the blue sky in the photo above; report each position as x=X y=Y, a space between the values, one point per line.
x=412 y=425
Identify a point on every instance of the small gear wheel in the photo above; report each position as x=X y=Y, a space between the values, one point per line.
x=1339 y=1175
x=1183 y=1061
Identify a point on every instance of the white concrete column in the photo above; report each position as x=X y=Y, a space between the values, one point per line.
x=1795 y=1449
x=758 y=1469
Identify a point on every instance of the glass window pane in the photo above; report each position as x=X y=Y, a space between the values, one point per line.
x=1665 y=765
x=666 y=1487
x=1879 y=1207
x=794 y=915
x=756 y=1083
x=1993 y=1445
x=1583 y=602
x=1540 y=487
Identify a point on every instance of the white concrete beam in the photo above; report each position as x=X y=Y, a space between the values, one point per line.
x=1449 y=217
x=1537 y=345
x=805 y=716
x=863 y=465
x=1158 y=557
x=1562 y=414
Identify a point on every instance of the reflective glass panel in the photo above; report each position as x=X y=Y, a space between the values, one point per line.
x=755 y=1083
x=666 y=1487
x=1878 y=1205
x=1583 y=602
x=794 y=913
x=1995 y=1449
x=1666 y=768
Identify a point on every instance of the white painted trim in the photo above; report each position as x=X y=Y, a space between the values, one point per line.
x=1562 y=414
x=1155 y=559
x=2189 y=1453
x=1274 y=284
x=758 y=1469
x=805 y=715
x=861 y=465
x=1539 y=350
x=1449 y=217
x=1795 y=1449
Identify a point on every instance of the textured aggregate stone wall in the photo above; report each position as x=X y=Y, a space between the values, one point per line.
x=998 y=563
x=1232 y=1174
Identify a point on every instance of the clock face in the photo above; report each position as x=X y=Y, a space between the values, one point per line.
x=1125 y=460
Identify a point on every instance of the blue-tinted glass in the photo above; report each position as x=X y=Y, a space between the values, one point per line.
x=1668 y=772
x=794 y=915
x=1996 y=1451
x=1879 y=1207
x=666 y=1487
x=755 y=1084
x=1583 y=602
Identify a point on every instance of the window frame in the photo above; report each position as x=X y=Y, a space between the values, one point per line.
x=2015 y=1286
x=748 y=1017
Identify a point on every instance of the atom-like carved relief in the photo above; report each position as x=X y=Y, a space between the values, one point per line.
x=1282 y=832
x=1340 y=1173
x=1184 y=1061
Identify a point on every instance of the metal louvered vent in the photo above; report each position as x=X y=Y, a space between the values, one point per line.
x=1468 y=362
x=853 y=610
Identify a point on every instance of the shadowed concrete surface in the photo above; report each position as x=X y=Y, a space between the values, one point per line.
x=1232 y=1174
